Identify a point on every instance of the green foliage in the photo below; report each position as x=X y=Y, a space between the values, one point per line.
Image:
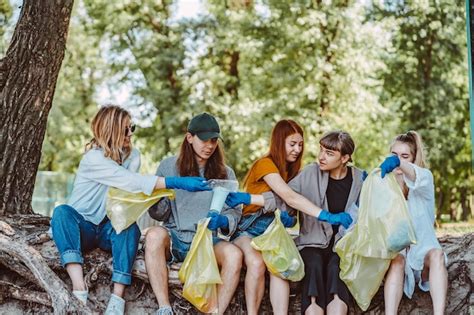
x=372 y=70
x=5 y=15
x=426 y=83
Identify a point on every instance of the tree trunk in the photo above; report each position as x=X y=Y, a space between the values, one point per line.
x=28 y=75
x=29 y=250
x=465 y=204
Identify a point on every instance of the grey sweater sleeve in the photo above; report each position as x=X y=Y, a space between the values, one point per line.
x=232 y=214
x=272 y=202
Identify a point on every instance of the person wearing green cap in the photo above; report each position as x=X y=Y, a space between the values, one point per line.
x=200 y=155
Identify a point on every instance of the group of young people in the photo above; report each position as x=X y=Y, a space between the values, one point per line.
x=320 y=194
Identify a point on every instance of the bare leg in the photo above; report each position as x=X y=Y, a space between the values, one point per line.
x=313 y=308
x=435 y=271
x=119 y=289
x=337 y=306
x=74 y=271
x=393 y=287
x=229 y=259
x=157 y=244
x=279 y=294
x=255 y=276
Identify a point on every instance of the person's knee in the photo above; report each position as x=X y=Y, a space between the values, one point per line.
x=398 y=263
x=436 y=256
x=255 y=266
x=231 y=258
x=62 y=213
x=156 y=238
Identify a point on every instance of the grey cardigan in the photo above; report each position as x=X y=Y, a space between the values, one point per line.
x=312 y=183
x=183 y=213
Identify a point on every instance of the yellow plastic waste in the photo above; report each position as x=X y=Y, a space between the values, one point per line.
x=124 y=208
x=383 y=228
x=199 y=272
x=279 y=251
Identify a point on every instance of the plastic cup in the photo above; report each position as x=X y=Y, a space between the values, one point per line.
x=218 y=198
x=220 y=189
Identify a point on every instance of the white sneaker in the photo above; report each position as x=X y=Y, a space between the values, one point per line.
x=164 y=310
x=116 y=306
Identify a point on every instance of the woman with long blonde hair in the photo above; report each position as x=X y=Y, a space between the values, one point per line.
x=424 y=262
x=82 y=224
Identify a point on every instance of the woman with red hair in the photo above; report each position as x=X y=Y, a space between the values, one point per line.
x=265 y=183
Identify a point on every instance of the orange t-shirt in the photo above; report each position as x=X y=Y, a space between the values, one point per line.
x=255 y=183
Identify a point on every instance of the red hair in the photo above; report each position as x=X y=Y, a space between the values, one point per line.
x=277 y=152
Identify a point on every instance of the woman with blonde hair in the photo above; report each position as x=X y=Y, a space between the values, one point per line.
x=424 y=262
x=82 y=224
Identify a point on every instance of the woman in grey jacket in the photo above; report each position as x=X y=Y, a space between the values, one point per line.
x=331 y=184
x=200 y=155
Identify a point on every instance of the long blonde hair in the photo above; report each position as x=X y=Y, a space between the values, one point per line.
x=414 y=141
x=108 y=127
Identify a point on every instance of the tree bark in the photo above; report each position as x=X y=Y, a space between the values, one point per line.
x=22 y=288
x=28 y=75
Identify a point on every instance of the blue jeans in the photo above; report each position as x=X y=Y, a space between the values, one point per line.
x=253 y=225
x=74 y=235
x=180 y=249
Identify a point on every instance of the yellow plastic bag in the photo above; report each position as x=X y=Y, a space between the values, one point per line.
x=279 y=251
x=383 y=228
x=199 y=272
x=124 y=208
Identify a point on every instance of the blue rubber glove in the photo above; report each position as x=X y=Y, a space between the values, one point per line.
x=236 y=198
x=390 y=163
x=364 y=175
x=217 y=221
x=341 y=218
x=287 y=220
x=187 y=183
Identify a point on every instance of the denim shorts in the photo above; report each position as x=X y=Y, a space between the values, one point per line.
x=254 y=224
x=179 y=249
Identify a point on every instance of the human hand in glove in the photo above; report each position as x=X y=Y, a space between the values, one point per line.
x=187 y=183
x=287 y=220
x=390 y=163
x=217 y=221
x=236 y=198
x=341 y=218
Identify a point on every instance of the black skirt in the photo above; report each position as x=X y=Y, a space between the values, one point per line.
x=321 y=279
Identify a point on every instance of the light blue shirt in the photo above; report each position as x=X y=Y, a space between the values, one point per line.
x=94 y=176
x=421 y=206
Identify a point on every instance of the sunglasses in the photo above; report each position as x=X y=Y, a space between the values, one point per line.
x=129 y=129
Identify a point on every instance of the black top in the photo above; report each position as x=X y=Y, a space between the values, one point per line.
x=337 y=193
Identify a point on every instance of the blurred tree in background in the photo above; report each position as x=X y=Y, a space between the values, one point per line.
x=374 y=69
x=426 y=83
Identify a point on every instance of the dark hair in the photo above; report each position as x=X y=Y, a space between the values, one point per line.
x=188 y=166
x=340 y=141
x=414 y=141
x=277 y=151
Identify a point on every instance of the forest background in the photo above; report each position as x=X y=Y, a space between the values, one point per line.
x=372 y=68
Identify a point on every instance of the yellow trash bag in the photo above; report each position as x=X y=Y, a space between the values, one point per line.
x=279 y=251
x=124 y=208
x=199 y=272
x=383 y=228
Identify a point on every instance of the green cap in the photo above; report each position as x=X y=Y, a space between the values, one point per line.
x=205 y=126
